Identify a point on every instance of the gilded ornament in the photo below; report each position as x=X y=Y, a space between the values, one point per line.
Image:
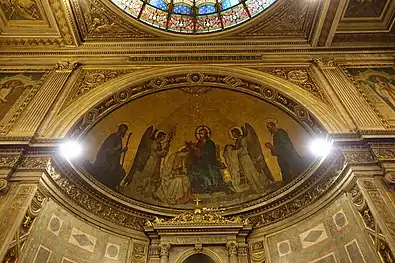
x=3 y=184
x=390 y=177
x=325 y=62
x=298 y=75
x=231 y=247
x=33 y=162
x=358 y=157
x=164 y=250
x=384 y=153
x=8 y=161
x=66 y=66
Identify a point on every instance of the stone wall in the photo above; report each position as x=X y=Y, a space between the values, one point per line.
x=58 y=236
x=331 y=235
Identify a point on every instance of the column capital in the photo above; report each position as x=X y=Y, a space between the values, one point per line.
x=231 y=246
x=164 y=249
x=325 y=62
x=66 y=66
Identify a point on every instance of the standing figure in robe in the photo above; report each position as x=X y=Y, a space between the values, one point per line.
x=107 y=167
x=204 y=169
x=144 y=176
x=384 y=88
x=249 y=158
x=289 y=160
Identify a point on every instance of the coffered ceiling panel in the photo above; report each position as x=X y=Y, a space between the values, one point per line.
x=35 y=23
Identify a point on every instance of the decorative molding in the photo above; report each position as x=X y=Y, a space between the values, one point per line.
x=66 y=66
x=204 y=79
x=77 y=193
x=359 y=157
x=290 y=19
x=195 y=58
x=89 y=80
x=325 y=62
x=302 y=77
x=34 y=163
x=96 y=21
x=9 y=161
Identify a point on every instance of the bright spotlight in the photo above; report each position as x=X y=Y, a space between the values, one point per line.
x=320 y=147
x=70 y=149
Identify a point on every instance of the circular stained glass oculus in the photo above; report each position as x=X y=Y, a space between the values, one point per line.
x=193 y=16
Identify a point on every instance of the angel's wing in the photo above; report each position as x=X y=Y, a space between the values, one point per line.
x=255 y=151
x=142 y=154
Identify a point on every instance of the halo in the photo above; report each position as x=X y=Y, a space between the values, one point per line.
x=123 y=122
x=157 y=133
x=202 y=127
x=237 y=128
x=274 y=120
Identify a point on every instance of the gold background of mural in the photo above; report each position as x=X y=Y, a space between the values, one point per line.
x=184 y=111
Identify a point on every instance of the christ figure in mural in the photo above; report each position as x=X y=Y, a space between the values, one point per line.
x=204 y=168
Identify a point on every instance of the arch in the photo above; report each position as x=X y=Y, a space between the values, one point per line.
x=66 y=119
x=208 y=252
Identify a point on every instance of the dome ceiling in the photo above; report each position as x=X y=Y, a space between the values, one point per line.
x=169 y=148
x=193 y=16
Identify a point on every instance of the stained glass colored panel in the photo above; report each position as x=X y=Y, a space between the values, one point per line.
x=162 y=5
x=229 y=3
x=234 y=16
x=183 y=2
x=183 y=17
x=199 y=3
x=206 y=9
x=182 y=10
x=257 y=6
x=122 y=3
x=181 y=23
x=154 y=16
x=208 y=23
x=134 y=8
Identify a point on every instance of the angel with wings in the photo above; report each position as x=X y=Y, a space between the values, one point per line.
x=144 y=176
x=246 y=157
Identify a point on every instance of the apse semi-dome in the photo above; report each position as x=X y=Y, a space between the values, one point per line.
x=193 y=16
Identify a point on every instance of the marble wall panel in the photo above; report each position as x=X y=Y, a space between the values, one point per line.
x=71 y=240
x=331 y=235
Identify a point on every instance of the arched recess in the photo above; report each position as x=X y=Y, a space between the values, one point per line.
x=192 y=251
x=66 y=119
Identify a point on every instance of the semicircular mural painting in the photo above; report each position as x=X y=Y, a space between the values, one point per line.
x=220 y=146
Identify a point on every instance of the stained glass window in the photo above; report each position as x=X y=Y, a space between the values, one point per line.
x=193 y=16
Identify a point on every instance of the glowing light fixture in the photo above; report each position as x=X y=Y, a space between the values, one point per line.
x=321 y=147
x=70 y=149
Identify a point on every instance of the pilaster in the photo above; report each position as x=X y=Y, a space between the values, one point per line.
x=38 y=108
x=356 y=107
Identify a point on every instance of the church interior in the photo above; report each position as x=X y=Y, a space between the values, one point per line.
x=197 y=131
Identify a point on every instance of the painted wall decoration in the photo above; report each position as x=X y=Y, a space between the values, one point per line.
x=361 y=8
x=378 y=86
x=171 y=147
x=13 y=85
x=21 y=9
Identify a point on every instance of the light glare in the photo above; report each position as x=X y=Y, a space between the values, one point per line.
x=70 y=149
x=320 y=147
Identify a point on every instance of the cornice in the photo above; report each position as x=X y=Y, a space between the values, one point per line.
x=159 y=51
